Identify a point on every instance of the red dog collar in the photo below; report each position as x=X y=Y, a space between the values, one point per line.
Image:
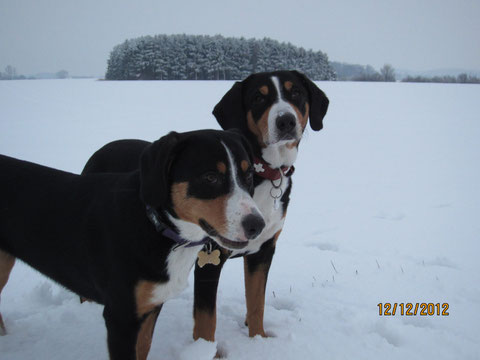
x=264 y=170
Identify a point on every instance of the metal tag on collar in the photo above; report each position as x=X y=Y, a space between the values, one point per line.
x=208 y=256
x=276 y=191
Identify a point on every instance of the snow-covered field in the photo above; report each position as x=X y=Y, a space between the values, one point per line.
x=385 y=209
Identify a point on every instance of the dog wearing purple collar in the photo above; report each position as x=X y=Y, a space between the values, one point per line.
x=271 y=110
x=128 y=240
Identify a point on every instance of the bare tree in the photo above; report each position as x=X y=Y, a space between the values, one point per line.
x=462 y=78
x=387 y=72
x=62 y=74
x=10 y=72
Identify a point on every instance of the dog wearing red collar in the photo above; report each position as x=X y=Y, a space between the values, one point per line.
x=271 y=110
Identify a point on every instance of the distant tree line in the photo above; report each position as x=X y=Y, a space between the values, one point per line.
x=352 y=72
x=347 y=72
x=196 y=57
x=387 y=74
x=460 y=79
x=11 y=74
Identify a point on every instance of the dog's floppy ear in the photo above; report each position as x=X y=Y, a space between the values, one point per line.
x=155 y=163
x=230 y=112
x=318 y=102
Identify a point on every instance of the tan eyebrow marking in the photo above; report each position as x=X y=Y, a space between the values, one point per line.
x=222 y=167
x=288 y=85
x=264 y=90
x=244 y=165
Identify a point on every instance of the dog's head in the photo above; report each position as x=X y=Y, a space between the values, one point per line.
x=203 y=180
x=272 y=110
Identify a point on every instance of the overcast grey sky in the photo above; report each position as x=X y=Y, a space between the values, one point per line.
x=78 y=35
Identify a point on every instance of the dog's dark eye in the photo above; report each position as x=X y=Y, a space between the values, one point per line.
x=211 y=178
x=258 y=99
x=296 y=93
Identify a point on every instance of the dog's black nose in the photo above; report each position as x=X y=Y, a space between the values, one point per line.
x=252 y=225
x=286 y=123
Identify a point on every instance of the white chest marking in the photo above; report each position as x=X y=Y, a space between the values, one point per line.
x=179 y=264
x=279 y=154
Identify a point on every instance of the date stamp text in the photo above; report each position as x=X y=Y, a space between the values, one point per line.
x=413 y=309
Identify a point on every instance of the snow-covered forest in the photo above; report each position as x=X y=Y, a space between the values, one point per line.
x=189 y=57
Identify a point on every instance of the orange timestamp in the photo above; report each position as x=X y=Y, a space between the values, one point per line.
x=413 y=309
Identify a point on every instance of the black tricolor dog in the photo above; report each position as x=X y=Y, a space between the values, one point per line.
x=129 y=240
x=272 y=111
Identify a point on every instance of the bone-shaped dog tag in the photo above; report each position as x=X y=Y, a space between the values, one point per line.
x=205 y=258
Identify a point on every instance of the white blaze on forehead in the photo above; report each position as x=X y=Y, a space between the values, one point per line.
x=281 y=103
x=277 y=153
x=279 y=108
x=233 y=168
x=276 y=83
x=239 y=204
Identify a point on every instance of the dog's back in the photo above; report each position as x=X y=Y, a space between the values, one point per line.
x=32 y=196
x=117 y=156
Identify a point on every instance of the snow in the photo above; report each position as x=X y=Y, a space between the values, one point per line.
x=384 y=209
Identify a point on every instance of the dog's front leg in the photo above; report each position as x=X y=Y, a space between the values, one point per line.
x=145 y=334
x=205 y=298
x=122 y=331
x=256 y=273
x=6 y=264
